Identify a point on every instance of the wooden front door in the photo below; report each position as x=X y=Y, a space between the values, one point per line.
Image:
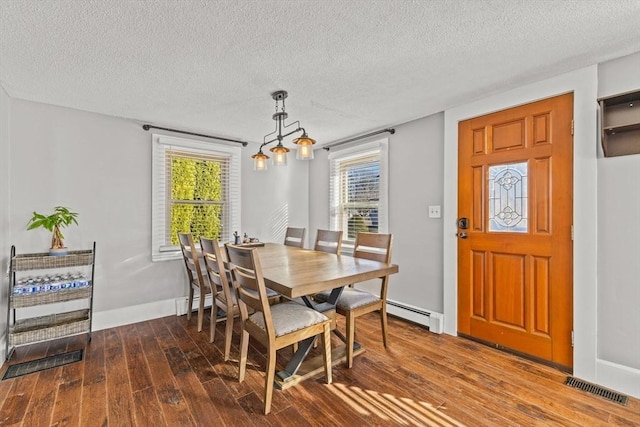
x=515 y=256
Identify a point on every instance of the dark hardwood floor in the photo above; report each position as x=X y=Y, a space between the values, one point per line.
x=163 y=372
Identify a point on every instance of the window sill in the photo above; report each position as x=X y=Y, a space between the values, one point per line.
x=347 y=249
x=165 y=256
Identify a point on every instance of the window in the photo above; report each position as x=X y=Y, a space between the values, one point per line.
x=196 y=189
x=507 y=198
x=358 y=189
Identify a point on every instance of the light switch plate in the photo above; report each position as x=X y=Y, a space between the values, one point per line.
x=434 y=211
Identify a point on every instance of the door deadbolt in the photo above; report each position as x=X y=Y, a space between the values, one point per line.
x=463 y=223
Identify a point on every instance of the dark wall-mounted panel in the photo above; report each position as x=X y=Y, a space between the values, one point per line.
x=620 y=124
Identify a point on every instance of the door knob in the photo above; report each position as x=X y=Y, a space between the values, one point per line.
x=462 y=235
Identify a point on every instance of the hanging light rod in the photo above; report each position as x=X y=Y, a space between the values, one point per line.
x=304 y=143
x=147 y=127
x=356 y=138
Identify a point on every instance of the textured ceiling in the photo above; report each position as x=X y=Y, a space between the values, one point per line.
x=350 y=66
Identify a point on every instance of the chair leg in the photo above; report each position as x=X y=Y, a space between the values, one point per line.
x=190 y=303
x=268 y=382
x=351 y=338
x=228 y=334
x=383 y=320
x=244 y=348
x=201 y=312
x=212 y=323
x=326 y=346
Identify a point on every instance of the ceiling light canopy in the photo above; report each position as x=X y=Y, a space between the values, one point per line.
x=304 y=143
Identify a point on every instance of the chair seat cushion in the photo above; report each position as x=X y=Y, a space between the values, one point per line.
x=289 y=317
x=221 y=296
x=270 y=293
x=350 y=298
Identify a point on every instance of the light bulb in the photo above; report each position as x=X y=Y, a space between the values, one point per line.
x=305 y=152
x=280 y=158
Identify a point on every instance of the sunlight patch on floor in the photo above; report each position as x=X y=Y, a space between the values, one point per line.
x=399 y=410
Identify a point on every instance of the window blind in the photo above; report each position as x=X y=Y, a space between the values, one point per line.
x=358 y=190
x=196 y=189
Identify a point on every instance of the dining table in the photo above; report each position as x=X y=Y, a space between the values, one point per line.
x=300 y=273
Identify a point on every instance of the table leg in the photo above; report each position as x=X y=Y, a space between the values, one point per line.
x=356 y=344
x=298 y=357
x=333 y=300
x=305 y=346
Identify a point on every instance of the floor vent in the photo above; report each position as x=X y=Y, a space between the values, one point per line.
x=597 y=390
x=24 y=368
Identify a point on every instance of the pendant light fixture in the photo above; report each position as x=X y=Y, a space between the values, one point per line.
x=304 y=143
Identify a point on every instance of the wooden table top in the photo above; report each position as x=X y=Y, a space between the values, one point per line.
x=295 y=272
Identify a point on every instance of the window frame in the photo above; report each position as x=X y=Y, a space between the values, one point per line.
x=362 y=151
x=161 y=144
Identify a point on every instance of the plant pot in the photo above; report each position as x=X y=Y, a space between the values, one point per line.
x=58 y=251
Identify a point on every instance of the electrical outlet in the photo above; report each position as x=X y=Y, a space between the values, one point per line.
x=434 y=211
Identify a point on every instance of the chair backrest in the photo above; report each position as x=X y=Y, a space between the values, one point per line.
x=192 y=260
x=248 y=282
x=328 y=241
x=214 y=261
x=376 y=247
x=373 y=246
x=295 y=237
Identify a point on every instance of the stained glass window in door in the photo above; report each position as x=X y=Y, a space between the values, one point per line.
x=508 y=198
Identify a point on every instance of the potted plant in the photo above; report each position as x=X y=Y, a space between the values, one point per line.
x=60 y=218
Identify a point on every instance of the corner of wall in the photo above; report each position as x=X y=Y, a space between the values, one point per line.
x=5 y=199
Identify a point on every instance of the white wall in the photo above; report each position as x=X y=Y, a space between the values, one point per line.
x=275 y=198
x=415 y=182
x=5 y=208
x=101 y=167
x=619 y=233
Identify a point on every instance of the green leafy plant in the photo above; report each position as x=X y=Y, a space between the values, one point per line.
x=60 y=218
x=195 y=180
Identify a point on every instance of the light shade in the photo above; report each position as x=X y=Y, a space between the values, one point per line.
x=260 y=161
x=279 y=155
x=305 y=147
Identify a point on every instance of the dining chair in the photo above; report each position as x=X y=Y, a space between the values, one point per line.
x=224 y=297
x=353 y=302
x=275 y=326
x=197 y=273
x=328 y=241
x=295 y=237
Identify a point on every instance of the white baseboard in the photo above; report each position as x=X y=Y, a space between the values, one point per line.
x=431 y=319
x=182 y=303
x=618 y=377
x=132 y=314
x=117 y=317
x=128 y=315
x=3 y=348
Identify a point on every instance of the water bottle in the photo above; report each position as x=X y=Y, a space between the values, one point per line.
x=45 y=284
x=18 y=289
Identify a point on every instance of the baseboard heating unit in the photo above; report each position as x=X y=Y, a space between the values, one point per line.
x=431 y=319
